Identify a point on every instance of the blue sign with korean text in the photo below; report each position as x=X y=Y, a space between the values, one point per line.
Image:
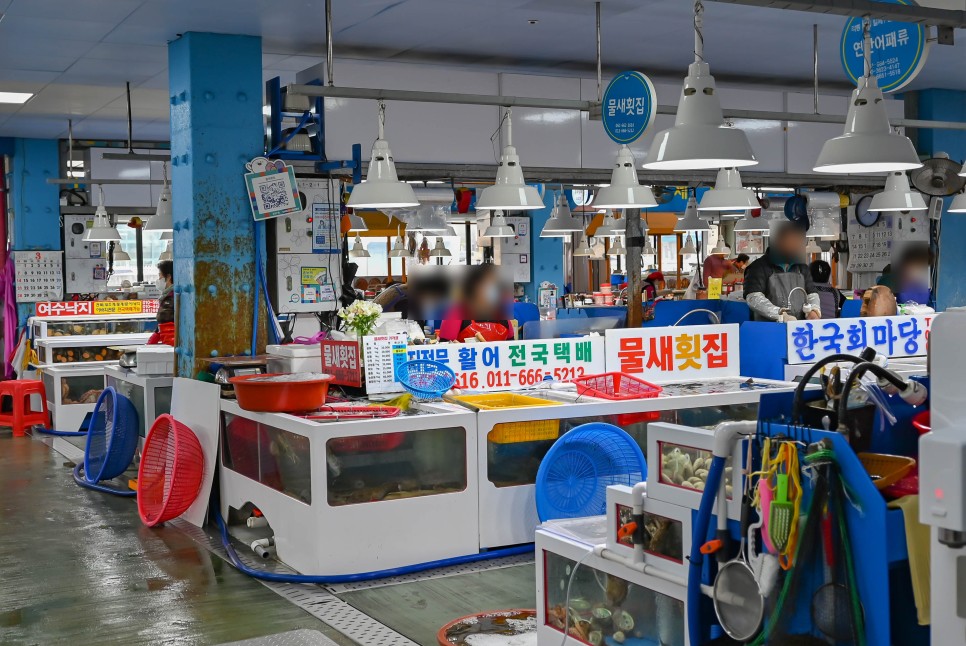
x=892 y=336
x=628 y=108
x=899 y=50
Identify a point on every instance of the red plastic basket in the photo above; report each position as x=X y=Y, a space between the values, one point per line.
x=616 y=386
x=171 y=471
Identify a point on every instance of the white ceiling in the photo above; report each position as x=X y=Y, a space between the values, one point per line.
x=75 y=55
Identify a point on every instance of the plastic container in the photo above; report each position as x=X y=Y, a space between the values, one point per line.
x=255 y=394
x=366 y=443
x=154 y=360
x=493 y=401
x=513 y=432
x=295 y=357
x=606 y=288
x=886 y=469
x=171 y=471
x=598 y=298
x=616 y=386
x=608 y=299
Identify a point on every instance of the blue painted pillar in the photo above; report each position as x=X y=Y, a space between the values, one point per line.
x=35 y=203
x=216 y=127
x=947 y=105
x=546 y=254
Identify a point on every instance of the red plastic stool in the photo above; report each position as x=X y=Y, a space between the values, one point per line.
x=22 y=415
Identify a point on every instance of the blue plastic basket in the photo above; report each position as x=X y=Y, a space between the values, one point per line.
x=574 y=475
x=112 y=438
x=425 y=379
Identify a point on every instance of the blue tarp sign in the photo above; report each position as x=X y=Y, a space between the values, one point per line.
x=899 y=50
x=629 y=105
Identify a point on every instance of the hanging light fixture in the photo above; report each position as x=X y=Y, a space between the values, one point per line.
x=167 y=235
x=688 y=249
x=897 y=196
x=498 y=227
x=624 y=190
x=648 y=249
x=382 y=189
x=509 y=192
x=699 y=139
x=358 y=250
x=439 y=251
x=690 y=220
x=163 y=219
x=399 y=247
x=583 y=248
x=728 y=194
x=168 y=253
x=562 y=222
x=868 y=144
x=617 y=249
x=959 y=204
x=357 y=224
x=749 y=223
x=611 y=226
x=424 y=220
x=440 y=220
x=102 y=230
x=812 y=247
x=721 y=248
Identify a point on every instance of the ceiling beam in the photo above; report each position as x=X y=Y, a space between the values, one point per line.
x=899 y=12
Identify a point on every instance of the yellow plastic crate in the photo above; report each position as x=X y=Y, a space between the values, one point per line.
x=492 y=401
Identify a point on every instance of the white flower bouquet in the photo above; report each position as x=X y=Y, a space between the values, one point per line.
x=360 y=317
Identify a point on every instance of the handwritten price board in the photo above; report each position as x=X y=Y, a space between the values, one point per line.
x=663 y=354
x=95 y=308
x=511 y=365
x=892 y=336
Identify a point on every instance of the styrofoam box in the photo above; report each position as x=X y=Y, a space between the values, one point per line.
x=294 y=358
x=155 y=360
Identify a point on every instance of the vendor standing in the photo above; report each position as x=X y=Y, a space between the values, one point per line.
x=778 y=286
x=165 y=317
x=483 y=310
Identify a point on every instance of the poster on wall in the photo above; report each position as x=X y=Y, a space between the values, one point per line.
x=272 y=189
x=664 y=354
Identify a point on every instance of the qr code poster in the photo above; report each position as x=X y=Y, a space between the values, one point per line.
x=272 y=188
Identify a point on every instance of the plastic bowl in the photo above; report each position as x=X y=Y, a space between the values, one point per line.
x=255 y=394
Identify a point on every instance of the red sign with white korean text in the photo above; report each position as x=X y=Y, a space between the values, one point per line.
x=341 y=360
x=674 y=353
x=95 y=308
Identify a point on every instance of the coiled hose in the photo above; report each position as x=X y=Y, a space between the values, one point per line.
x=96 y=486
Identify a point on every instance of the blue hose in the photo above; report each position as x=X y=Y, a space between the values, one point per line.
x=698 y=536
x=50 y=431
x=362 y=576
x=79 y=479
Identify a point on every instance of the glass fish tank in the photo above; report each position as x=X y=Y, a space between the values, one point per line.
x=83 y=349
x=515 y=449
x=603 y=609
x=46 y=328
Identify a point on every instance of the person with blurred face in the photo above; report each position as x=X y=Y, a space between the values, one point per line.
x=778 y=286
x=483 y=311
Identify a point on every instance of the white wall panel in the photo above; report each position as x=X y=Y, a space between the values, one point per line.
x=545 y=137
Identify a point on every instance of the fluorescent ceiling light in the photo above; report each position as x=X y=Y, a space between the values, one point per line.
x=15 y=97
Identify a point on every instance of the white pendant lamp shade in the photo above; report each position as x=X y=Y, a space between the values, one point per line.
x=102 y=229
x=611 y=226
x=728 y=194
x=721 y=249
x=617 y=248
x=897 y=196
x=358 y=250
x=562 y=223
x=439 y=251
x=509 y=192
x=812 y=247
x=162 y=220
x=624 y=192
x=168 y=253
x=748 y=223
x=648 y=249
x=499 y=228
x=583 y=248
x=699 y=140
x=959 y=204
x=119 y=254
x=690 y=220
x=868 y=144
x=688 y=249
x=398 y=248
x=382 y=188
x=167 y=235
x=357 y=224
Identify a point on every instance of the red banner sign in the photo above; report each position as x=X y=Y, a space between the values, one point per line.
x=341 y=360
x=95 y=308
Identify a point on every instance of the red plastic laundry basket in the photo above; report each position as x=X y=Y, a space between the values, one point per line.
x=171 y=470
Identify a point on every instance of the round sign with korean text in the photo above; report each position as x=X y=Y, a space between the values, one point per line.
x=628 y=106
x=899 y=50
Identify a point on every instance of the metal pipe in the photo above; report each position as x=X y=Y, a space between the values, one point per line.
x=329 y=62
x=584 y=106
x=130 y=120
x=886 y=11
x=600 y=94
x=105 y=182
x=815 y=68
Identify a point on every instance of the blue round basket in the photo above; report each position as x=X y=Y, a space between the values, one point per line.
x=425 y=379
x=574 y=475
x=112 y=437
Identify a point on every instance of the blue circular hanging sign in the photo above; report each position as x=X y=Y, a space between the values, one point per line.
x=628 y=108
x=899 y=50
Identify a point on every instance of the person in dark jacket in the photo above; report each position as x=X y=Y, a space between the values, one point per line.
x=778 y=286
x=830 y=298
x=166 y=285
